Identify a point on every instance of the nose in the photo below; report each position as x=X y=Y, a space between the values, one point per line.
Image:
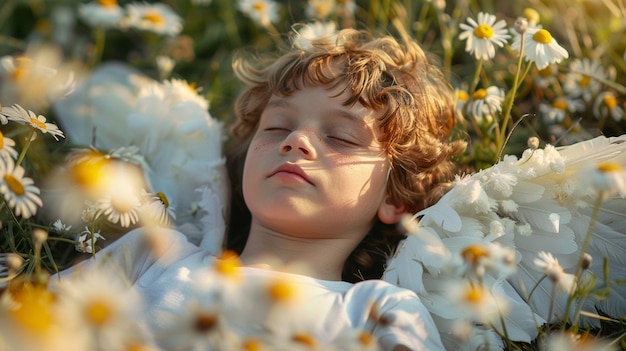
x=298 y=141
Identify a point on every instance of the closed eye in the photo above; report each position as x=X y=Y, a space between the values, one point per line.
x=343 y=141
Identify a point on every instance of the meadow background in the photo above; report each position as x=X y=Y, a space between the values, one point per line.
x=582 y=97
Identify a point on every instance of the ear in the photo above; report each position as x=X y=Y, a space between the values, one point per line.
x=391 y=211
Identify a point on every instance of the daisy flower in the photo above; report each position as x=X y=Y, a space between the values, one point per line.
x=546 y=77
x=610 y=178
x=559 y=108
x=156 y=209
x=122 y=208
x=606 y=105
x=20 y=193
x=320 y=9
x=59 y=227
x=462 y=97
x=540 y=47
x=100 y=306
x=101 y=13
x=483 y=34
x=487 y=102
x=475 y=302
x=309 y=33
x=263 y=12
x=157 y=18
x=84 y=243
x=6 y=148
x=18 y=114
x=565 y=282
x=584 y=78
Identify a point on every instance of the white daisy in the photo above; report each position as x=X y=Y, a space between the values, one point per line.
x=99 y=305
x=20 y=193
x=18 y=114
x=59 y=227
x=263 y=12
x=610 y=178
x=559 y=108
x=325 y=32
x=483 y=34
x=565 y=282
x=583 y=79
x=85 y=240
x=475 y=302
x=320 y=9
x=558 y=341
x=540 y=47
x=462 y=97
x=546 y=77
x=6 y=148
x=156 y=209
x=101 y=13
x=606 y=105
x=486 y=103
x=122 y=208
x=157 y=18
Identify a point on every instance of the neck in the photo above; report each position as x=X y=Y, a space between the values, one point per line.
x=321 y=258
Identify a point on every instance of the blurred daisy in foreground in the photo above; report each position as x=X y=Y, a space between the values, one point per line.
x=486 y=103
x=475 y=302
x=6 y=148
x=122 y=208
x=606 y=105
x=101 y=13
x=20 y=193
x=100 y=306
x=559 y=109
x=546 y=77
x=18 y=114
x=610 y=178
x=263 y=12
x=565 y=282
x=583 y=79
x=558 y=341
x=157 y=18
x=540 y=47
x=323 y=32
x=320 y=9
x=483 y=35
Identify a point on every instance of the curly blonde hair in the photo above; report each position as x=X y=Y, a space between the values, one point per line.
x=394 y=77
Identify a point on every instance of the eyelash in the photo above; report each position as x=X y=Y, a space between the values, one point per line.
x=333 y=138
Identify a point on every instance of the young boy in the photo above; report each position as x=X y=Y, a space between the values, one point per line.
x=332 y=145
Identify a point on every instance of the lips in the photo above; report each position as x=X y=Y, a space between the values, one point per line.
x=292 y=171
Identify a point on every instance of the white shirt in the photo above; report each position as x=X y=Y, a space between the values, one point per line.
x=327 y=310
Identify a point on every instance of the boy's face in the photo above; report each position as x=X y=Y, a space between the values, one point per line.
x=315 y=168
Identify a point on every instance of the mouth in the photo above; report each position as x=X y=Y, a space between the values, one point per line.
x=291 y=172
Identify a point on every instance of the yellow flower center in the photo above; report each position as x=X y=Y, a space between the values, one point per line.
x=107 y=3
x=483 y=31
x=462 y=95
x=306 y=339
x=584 y=81
x=1 y=140
x=14 y=184
x=609 y=100
x=163 y=199
x=474 y=253
x=542 y=36
x=33 y=307
x=228 y=264
x=366 y=338
x=259 y=6
x=281 y=290
x=560 y=104
x=37 y=123
x=608 y=167
x=89 y=173
x=479 y=94
x=474 y=294
x=137 y=347
x=22 y=66
x=205 y=322
x=252 y=344
x=531 y=15
x=154 y=17
x=98 y=313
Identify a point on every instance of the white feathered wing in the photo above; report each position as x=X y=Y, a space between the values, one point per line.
x=542 y=201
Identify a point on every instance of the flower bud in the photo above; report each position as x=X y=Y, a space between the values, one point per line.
x=586 y=261
x=521 y=25
x=533 y=143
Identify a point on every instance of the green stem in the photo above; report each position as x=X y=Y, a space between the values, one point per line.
x=511 y=97
x=20 y=158
x=479 y=67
